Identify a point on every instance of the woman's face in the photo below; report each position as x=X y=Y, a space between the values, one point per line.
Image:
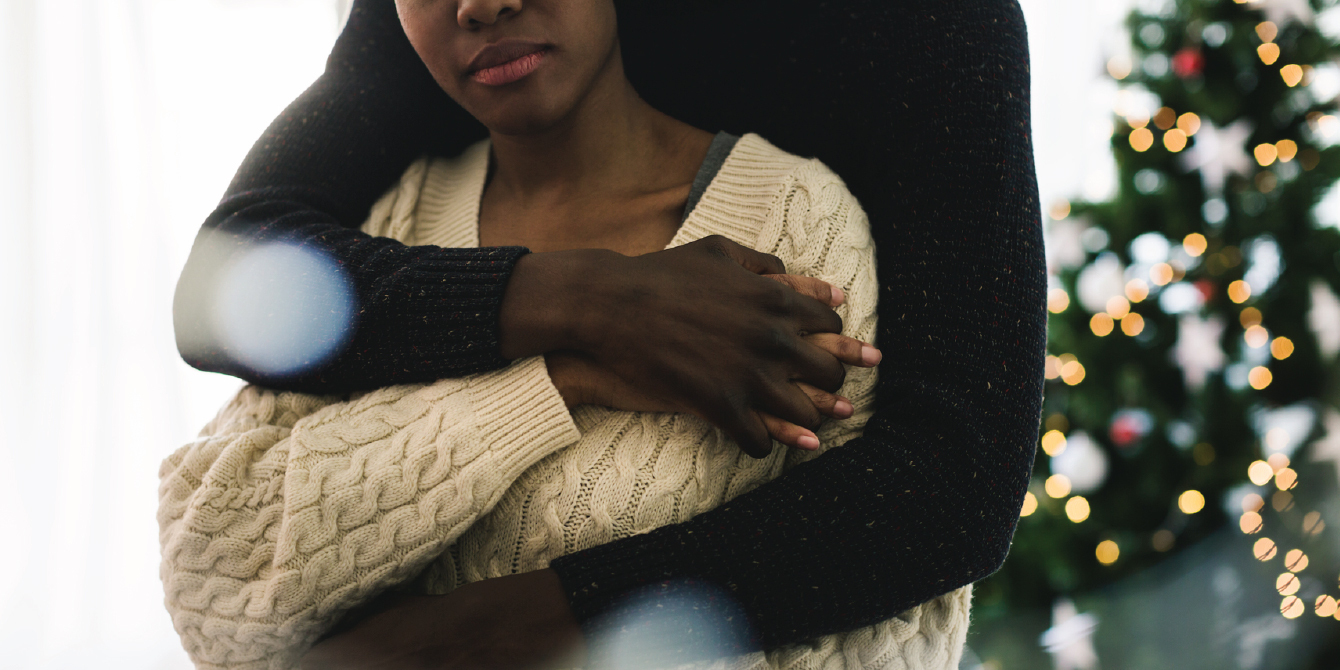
x=518 y=66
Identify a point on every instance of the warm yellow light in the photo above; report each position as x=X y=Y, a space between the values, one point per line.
x=1260 y=472
x=1325 y=605
x=1137 y=290
x=1053 y=442
x=1165 y=118
x=1295 y=560
x=1194 y=244
x=1292 y=74
x=1253 y=502
x=1287 y=149
x=1191 y=501
x=1118 y=306
x=1142 y=139
x=1119 y=67
x=1188 y=123
x=1260 y=377
x=1053 y=369
x=1292 y=607
x=1268 y=53
x=1030 y=504
x=1250 y=522
x=1101 y=324
x=1161 y=273
x=1265 y=154
x=1249 y=317
x=1264 y=549
x=1239 y=291
x=1072 y=373
x=1312 y=523
x=1077 y=509
x=1132 y=324
x=1287 y=584
x=1174 y=140
x=1267 y=31
x=1256 y=336
x=1060 y=209
x=1286 y=479
x=1057 y=300
x=1281 y=348
x=1057 y=486
x=1137 y=120
x=1107 y=552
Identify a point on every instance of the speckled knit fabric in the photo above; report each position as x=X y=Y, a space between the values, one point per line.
x=921 y=107
x=292 y=509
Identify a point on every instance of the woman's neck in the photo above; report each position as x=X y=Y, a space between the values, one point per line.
x=612 y=143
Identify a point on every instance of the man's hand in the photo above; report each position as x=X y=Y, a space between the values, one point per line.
x=699 y=327
x=582 y=381
x=513 y=622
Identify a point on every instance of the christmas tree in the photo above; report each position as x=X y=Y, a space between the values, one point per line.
x=1185 y=488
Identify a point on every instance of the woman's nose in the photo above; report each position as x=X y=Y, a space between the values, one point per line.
x=474 y=13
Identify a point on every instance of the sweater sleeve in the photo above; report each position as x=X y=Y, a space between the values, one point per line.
x=926 y=500
x=292 y=509
x=419 y=313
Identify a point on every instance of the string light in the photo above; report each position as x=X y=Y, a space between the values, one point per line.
x=1141 y=139
x=1077 y=509
x=1326 y=606
x=1265 y=154
x=1249 y=317
x=1107 y=552
x=1057 y=300
x=1239 y=291
x=1188 y=123
x=1287 y=584
x=1267 y=30
x=1295 y=560
x=1053 y=367
x=1281 y=348
x=1030 y=504
x=1292 y=74
x=1132 y=324
x=1191 y=501
x=1194 y=244
x=1161 y=273
x=1292 y=607
x=1053 y=442
x=1287 y=150
x=1137 y=290
x=1057 y=486
x=1286 y=479
x=1250 y=522
x=1256 y=336
x=1101 y=324
x=1264 y=549
x=1259 y=377
x=1260 y=472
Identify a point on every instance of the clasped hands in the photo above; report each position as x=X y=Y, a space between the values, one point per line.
x=710 y=328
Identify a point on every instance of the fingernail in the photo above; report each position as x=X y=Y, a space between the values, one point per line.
x=808 y=442
x=871 y=355
x=838 y=296
x=843 y=409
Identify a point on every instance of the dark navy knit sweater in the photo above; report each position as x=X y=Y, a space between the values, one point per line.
x=921 y=107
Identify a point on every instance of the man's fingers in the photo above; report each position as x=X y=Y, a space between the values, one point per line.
x=846 y=349
x=828 y=404
x=751 y=260
x=818 y=289
x=790 y=434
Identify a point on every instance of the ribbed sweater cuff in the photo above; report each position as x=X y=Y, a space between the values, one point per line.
x=521 y=414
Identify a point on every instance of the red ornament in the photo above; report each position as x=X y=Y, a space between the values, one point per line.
x=1129 y=426
x=1206 y=288
x=1188 y=62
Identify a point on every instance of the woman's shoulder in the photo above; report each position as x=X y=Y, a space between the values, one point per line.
x=778 y=200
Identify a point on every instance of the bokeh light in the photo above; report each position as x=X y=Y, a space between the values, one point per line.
x=1107 y=552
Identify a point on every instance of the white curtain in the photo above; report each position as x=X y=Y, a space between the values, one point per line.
x=121 y=121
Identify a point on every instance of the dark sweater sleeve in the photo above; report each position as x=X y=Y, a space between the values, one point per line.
x=414 y=314
x=926 y=501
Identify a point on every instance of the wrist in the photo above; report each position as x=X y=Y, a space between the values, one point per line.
x=549 y=302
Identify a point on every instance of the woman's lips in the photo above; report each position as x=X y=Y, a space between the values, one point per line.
x=511 y=71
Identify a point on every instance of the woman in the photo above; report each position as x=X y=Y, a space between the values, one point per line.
x=963 y=384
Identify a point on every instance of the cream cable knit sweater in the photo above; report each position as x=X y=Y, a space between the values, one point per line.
x=290 y=509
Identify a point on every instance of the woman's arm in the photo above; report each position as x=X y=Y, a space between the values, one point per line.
x=290 y=510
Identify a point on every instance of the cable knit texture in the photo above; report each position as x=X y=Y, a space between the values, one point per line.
x=292 y=509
